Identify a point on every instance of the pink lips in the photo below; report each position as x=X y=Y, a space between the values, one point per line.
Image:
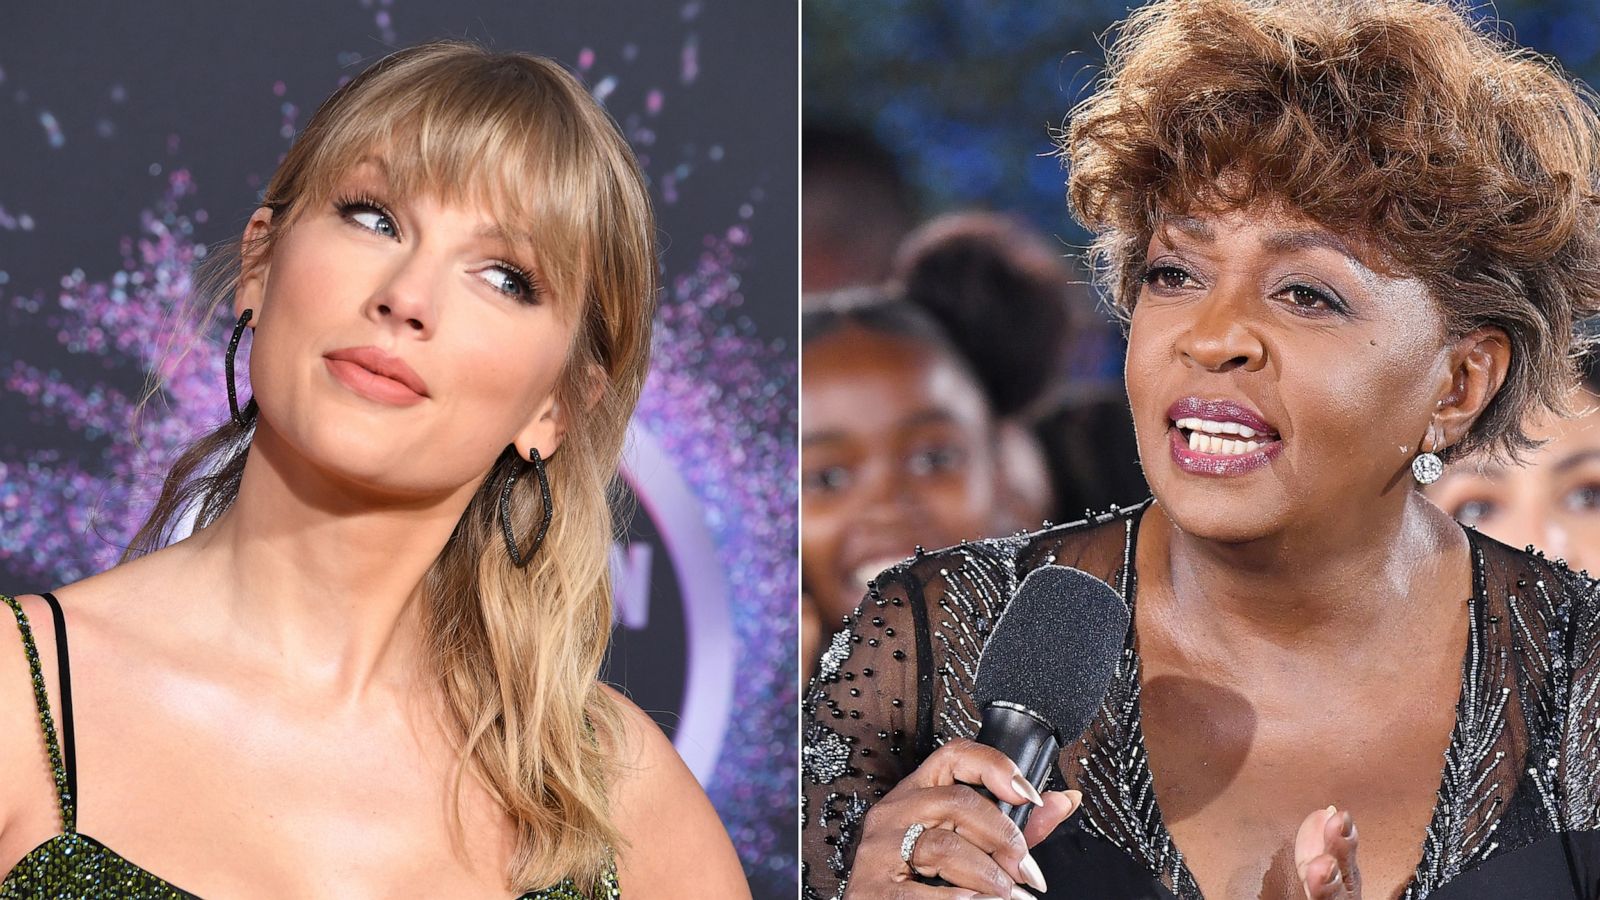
x=377 y=375
x=1197 y=463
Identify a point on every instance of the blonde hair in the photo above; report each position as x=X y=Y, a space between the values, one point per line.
x=518 y=651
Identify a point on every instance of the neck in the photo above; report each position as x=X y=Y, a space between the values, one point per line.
x=1304 y=588
x=322 y=578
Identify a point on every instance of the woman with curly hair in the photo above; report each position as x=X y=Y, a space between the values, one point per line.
x=371 y=670
x=1351 y=243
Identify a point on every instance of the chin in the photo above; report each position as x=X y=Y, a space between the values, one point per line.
x=1224 y=511
x=365 y=460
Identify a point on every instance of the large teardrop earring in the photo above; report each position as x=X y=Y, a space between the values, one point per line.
x=240 y=419
x=1427 y=467
x=536 y=462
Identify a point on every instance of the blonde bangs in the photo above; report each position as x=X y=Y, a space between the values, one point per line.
x=503 y=135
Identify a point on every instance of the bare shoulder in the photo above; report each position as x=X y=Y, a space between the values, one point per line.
x=675 y=845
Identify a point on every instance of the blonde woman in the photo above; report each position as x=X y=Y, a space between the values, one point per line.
x=371 y=670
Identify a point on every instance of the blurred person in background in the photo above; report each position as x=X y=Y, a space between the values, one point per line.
x=855 y=208
x=898 y=448
x=1552 y=501
x=1010 y=301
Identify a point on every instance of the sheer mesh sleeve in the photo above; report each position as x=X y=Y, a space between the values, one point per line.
x=1581 y=778
x=890 y=688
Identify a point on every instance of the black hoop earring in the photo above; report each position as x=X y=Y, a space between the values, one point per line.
x=537 y=463
x=239 y=419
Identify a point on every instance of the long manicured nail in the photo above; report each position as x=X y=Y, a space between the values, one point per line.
x=1017 y=893
x=1031 y=873
x=1026 y=789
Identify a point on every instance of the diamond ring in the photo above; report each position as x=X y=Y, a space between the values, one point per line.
x=909 y=842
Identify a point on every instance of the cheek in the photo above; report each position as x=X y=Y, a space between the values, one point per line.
x=962 y=501
x=1148 y=364
x=1371 y=399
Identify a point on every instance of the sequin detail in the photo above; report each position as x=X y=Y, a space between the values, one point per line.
x=73 y=865
x=832 y=658
x=1522 y=765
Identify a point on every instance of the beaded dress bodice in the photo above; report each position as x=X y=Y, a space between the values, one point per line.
x=1522 y=767
x=72 y=864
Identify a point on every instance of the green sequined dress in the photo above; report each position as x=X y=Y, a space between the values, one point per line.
x=74 y=865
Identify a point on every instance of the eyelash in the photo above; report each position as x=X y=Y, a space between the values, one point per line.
x=528 y=286
x=1333 y=304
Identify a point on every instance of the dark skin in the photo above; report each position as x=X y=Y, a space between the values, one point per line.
x=1303 y=624
x=897 y=450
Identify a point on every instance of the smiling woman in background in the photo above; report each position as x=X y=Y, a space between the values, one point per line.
x=899 y=448
x=1552 y=500
x=372 y=668
x=1351 y=242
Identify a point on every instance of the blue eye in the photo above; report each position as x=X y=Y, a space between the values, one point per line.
x=512 y=281
x=369 y=214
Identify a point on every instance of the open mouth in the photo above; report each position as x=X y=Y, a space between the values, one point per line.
x=1222 y=438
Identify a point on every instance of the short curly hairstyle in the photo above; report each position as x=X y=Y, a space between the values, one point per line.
x=1469 y=163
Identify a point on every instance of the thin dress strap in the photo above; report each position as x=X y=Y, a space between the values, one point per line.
x=64 y=773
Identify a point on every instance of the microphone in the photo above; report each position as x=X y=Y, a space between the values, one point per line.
x=1046 y=668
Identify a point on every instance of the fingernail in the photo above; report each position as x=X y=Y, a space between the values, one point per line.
x=1017 y=893
x=1031 y=873
x=1077 y=800
x=1349 y=829
x=1026 y=789
x=1333 y=876
x=1332 y=809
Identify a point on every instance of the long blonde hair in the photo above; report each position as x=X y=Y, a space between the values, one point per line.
x=518 y=651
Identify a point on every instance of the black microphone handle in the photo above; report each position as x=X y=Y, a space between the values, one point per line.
x=1028 y=741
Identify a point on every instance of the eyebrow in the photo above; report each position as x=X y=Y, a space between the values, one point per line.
x=1576 y=459
x=1289 y=241
x=493 y=232
x=925 y=417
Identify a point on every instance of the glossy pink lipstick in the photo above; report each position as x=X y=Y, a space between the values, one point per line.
x=376 y=375
x=1218 y=447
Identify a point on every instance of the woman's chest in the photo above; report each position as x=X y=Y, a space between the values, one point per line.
x=1236 y=770
x=227 y=802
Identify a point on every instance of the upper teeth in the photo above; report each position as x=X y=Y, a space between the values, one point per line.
x=1210 y=427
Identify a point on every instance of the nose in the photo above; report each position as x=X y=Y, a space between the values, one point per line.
x=1221 y=338
x=405 y=296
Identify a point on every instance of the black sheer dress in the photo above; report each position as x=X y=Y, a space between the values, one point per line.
x=1518 y=808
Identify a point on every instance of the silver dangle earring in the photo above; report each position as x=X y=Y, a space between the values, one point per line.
x=240 y=419
x=535 y=462
x=1427 y=466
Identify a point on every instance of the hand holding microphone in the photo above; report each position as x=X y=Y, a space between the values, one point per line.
x=1041 y=677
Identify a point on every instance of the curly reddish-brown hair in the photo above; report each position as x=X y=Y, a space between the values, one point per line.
x=1469 y=163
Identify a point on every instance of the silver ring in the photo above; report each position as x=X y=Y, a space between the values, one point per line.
x=909 y=842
